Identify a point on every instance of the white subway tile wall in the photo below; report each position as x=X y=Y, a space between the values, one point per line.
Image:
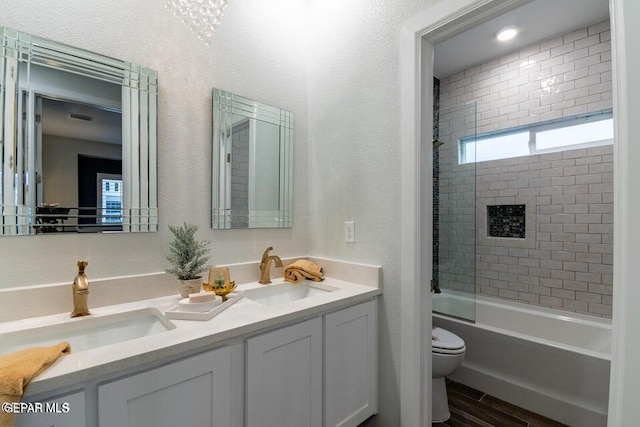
x=566 y=259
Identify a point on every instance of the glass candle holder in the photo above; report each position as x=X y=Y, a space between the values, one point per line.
x=218 y=277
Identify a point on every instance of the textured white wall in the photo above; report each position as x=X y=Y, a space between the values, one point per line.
x=259 y=51
x=354 y=153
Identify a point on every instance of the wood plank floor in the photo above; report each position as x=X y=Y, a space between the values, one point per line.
x=472 y=408
x=368 y=421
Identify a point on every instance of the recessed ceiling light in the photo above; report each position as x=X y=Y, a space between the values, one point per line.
x=506 y=34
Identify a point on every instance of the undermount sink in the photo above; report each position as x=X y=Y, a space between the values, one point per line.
x=86 y=333
x=286 y=292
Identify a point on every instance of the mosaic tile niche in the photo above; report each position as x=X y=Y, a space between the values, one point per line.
x=506 y=221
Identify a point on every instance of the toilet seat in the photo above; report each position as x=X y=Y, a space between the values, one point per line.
x=445 y=342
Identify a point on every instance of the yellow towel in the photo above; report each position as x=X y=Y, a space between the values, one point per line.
x=18 y=369
x=303 y=269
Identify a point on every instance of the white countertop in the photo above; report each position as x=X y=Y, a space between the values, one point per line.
x=241 y=319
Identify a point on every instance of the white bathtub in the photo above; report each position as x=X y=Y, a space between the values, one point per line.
x=552 y=362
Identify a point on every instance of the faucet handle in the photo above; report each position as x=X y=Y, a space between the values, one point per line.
x=81 y=265
x=265 y=254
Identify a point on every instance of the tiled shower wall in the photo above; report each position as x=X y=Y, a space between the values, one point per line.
x=240 y=175
x=565 y=259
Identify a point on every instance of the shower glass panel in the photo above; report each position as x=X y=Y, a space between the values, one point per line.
x=455 y=213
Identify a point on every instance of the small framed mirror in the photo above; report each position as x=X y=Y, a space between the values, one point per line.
x=252 y=173
x=77 y=141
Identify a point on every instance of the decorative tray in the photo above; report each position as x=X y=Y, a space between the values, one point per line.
x=176 y=313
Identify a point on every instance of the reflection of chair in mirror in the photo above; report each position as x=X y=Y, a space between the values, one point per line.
x=51 y=218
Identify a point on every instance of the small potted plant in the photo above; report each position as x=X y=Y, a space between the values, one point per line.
x=188 y=258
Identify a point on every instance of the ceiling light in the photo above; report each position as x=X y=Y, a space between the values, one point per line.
x=507 y=34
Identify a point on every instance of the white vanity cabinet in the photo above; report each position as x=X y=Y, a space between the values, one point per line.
x=318 y=372
x=284 y=377
x=61 y=411
x=350 y=351
x=287 y=385
x=196 y=391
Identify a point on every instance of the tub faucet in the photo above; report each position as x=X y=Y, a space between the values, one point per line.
x=435 y=287
x=80 y=289
x=265 y=265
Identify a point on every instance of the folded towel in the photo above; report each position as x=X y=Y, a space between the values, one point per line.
x=18 y=369
x=303 y=269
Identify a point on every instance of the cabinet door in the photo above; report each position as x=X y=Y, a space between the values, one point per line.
x=194 y=392
x=63 y=411
x=284 y=377
x=351 y=359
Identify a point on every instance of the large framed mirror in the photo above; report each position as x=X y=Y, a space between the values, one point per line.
x=77 y=140
x=252 y=179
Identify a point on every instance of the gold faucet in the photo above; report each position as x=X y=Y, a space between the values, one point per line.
x=80 y=291
x=265 y=265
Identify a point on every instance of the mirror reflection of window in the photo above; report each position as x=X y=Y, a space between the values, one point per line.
x=110 y=198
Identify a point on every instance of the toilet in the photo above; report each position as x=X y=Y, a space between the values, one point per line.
x=447 y=354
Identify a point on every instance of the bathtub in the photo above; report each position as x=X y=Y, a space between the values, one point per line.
x=552 y=362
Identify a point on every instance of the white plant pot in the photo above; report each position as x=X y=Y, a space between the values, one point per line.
x=192 y=286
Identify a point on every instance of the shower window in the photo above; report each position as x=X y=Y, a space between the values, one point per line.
x=485 y=148
x=557 y=135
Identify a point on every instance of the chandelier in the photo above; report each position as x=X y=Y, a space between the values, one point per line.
x=202 y=16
